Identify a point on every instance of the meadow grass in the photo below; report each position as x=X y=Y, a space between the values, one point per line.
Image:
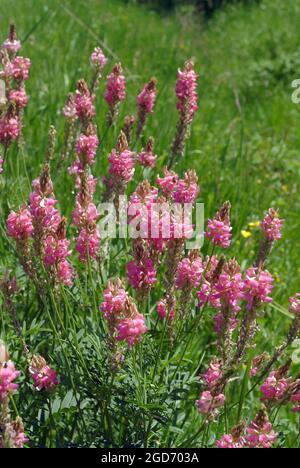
x=244 y=146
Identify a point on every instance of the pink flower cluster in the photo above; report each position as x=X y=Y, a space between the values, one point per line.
x=19 y=98
x=116 y=86
x=258 y=285
x=187 y=189
x=147 y=158
x=131 y=329
x=228 y=441
x=168 y=183
x=19 y=225
x=225 y=293
x=211 y=399
x=8 y=375
x=146 y=99
x=274 y=387
x=142 y=275
x=86 y=148
x=98 y=58
x=84 y=218
x=124 y=321
x=189 y=272
x=84 y=102
x=208 y=404
x=14 y=431
x=163 y=310
x=272 y=225
x=44 y=378
x=56 y=250
x=15 y=73
x=186 y=91
x=295 y=304
x=121 y=168
x=122 y=165
x=219 y=229
x=259 y=435
x=10 y=128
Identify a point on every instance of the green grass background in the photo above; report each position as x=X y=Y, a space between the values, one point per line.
x=245 y=140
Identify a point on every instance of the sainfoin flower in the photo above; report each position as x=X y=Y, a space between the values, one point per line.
x=98 y=58
x=258 y=285
x=260 y=433
x=115 y=298
x=213 y=374
x=115 y=92
x=274 y=388
x=219 y=229
x=272 y=225
x=44 y=378
x=229 y=442
x=19 y=224
x=131 y=329
x=295 y=304
x=19 y=98
x=14 y=431
x=84 y=102
x=189 y=272
x=146 y=99
x=142 y=276
x=186 y=91
x=145 y=102
x=10 y=128
x=116 y=86
x=209 y=404
x=187 y=190
x=18 y=69
x=125 y=323
x=86 y=147
x=8 y=375
x=163 y=310
x=88 y=243
x=168 y=182
x=147 y=158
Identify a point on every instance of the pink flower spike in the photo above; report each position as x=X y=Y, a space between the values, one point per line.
x=98 y=58
x=19 y=225
x=272 y=225
x=147 y=158
x=86 y=148
x=168 y=183
x=142 y=276
x=8 y=375
x=146 y=99
x=295 y=304
x=116 y=86
x=189 y=272
x=208 y=404
x=260 y=433
x=10 y=128
x=162 y=310
x=19 y=98
x=258 y=285
x=131 y=330
x=187 y=189
x=186 y=91
x=44 y=378
x=84 y=102
x=219 y=228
